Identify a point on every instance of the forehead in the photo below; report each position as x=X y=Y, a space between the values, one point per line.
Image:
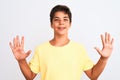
x=60 y=14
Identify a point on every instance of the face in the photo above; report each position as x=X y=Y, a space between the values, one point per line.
x=60 y=23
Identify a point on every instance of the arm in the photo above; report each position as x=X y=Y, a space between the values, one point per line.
x=105 y=53
x=18 y=51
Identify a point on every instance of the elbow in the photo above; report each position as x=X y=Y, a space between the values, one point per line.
x=93 y=78
x=29 y=79
x=30 y=76
x=94 y=75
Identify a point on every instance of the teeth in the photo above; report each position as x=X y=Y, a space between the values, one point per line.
x=61 y=27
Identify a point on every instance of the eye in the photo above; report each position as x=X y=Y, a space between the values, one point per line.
x=56 y=19
x=65 y=19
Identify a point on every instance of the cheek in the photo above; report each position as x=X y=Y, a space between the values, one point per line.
x=69 y=25
x=53 y=25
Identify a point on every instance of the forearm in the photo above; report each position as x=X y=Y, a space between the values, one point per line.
x=98 y=68
x=25 y=69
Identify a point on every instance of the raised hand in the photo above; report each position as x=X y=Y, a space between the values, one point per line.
x=18 y=49
x=107 y=43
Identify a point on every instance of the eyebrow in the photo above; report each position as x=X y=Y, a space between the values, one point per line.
x=63 y=17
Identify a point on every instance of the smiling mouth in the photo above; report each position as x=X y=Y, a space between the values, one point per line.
x=61 y=28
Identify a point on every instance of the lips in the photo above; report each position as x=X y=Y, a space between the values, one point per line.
x=61 y=28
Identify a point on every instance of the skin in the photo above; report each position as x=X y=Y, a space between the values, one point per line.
x=61 y=25
x=104 y=53
x=18 y=51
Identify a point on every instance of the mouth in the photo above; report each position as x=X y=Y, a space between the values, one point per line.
x=61 y=28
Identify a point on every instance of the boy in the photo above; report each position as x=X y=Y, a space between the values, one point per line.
x=61 y=58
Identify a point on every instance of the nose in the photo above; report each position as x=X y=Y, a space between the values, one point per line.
x=61 y=22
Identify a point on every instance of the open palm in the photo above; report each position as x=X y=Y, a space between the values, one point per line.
x=18 y=49
x=107 y=43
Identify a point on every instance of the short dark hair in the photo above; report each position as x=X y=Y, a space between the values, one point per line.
x=60 y=8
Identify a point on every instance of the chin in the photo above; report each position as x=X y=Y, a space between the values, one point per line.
x=62 y=34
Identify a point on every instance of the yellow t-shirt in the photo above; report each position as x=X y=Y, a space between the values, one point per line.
x=60 y=63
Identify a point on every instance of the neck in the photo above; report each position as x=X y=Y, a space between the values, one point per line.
x=60 y=40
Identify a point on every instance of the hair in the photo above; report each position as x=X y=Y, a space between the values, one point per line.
x=60 y=8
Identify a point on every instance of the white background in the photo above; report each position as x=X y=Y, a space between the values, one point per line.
x=30 y=18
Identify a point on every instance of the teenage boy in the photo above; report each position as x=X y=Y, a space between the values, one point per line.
x=61 y=58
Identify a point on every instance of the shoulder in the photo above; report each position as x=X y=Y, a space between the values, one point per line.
x=79 y=47
x=42 y=45
x=77 y=44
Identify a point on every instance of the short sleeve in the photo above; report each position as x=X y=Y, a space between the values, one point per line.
x=35 y=62
x=88 y=63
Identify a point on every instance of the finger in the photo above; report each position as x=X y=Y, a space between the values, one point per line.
x=17 y=41
x=103 y=40
x=109 y=38
x=112 y=41
x=14 y=42
x=22 y=42
x=11 y=46
x=106 y=37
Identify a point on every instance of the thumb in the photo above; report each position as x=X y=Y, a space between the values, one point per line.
x=98 y=50
x=28 y=53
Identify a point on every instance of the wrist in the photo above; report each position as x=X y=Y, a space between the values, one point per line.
x=21 y=61
x=103 y=59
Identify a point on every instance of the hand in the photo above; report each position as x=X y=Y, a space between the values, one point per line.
x=107 y=43
x=18 y=49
